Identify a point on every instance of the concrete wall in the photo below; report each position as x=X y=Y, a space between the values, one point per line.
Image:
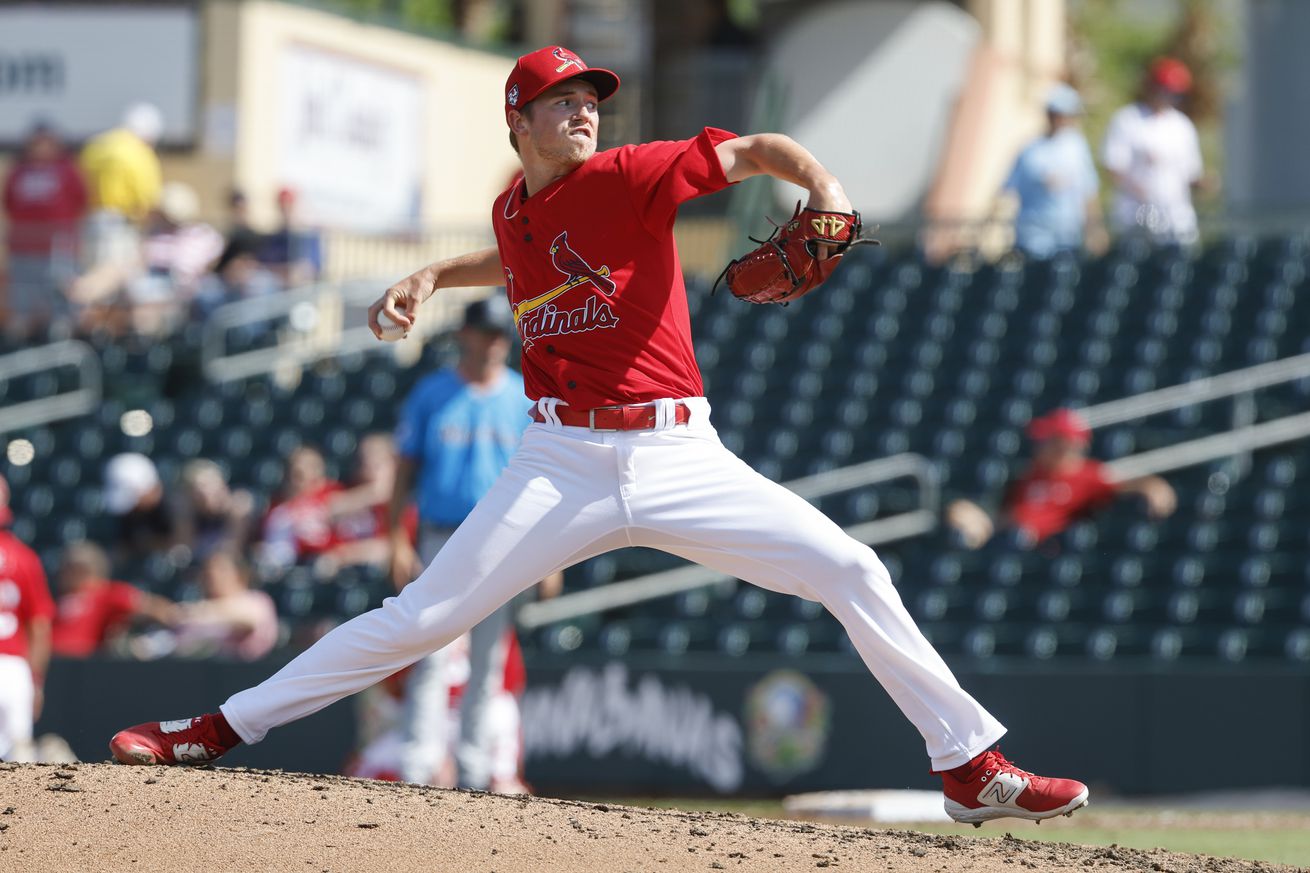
x=999 y=109
x=870 y=89
x=1267 y=129
x=919 y=108
x=467 y=158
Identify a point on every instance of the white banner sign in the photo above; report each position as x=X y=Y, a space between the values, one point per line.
x=79 y=67
x=351 y=140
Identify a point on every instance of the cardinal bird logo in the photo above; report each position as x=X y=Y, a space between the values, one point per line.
x=571 y=264
x=539 y=316
x=568 y=59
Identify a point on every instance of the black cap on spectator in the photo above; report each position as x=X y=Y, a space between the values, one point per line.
x=491 y=314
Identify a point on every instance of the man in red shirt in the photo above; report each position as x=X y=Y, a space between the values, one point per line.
x=44 y=198
x=622 y=452
x=91 y=609
x=1061 y=486
x=25 y=611
x=299 y=525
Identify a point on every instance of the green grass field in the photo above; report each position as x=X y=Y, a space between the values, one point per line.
x=1280 y=837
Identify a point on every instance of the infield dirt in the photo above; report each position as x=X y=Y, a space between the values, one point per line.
x=104 y=818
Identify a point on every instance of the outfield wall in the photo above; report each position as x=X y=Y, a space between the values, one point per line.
x=772 y=726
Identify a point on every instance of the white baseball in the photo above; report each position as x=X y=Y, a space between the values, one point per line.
x=392 y=330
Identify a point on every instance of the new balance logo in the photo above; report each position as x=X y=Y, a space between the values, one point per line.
x=172 y=727
x=1003 y=790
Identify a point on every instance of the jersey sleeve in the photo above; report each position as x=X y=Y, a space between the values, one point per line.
x=662 y=175
x=1099 y=484
x=124 y=599
x=36 y=602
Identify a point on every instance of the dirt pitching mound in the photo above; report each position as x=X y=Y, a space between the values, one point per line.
x=104 y=817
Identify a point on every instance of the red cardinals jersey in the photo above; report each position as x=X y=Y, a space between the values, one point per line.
x=594 y=278
x=1046 y=503
x=24 y=594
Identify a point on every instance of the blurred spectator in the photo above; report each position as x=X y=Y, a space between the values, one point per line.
x=1154 y=154
x=232 y=621
x=1060 y=486
x=133 y=491
x=91 y=610
x=361 y=510
x=237 y=276
x=211 y=516
x=157 y=286
x=299 y=524
x=44 y=199
x=238 y=223
x=293 y=253
x=25 y=614
x=124 y=178
x=176 y=252
x=1055 y=180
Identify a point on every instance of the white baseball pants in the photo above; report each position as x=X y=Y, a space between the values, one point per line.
x=569 y=494
x=17 y=697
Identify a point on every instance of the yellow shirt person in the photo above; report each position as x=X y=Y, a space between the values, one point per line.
x=121 y=168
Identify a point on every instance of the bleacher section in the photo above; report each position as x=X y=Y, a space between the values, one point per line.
x=893 y=355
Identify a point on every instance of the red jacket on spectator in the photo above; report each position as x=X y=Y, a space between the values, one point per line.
x=43 y=199
x=86 y=618
x=302 y=526
x=1044 y=503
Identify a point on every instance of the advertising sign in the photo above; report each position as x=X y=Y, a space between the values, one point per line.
x=79 y=67
x=350 y=136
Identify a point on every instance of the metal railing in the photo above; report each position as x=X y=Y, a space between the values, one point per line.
x=68 y=404
x=1238 y=441
x=1234 y=383
x=895 y=527
x=1244 y=437
x=311 y=324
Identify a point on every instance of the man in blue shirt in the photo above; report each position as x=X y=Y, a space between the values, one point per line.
x=1055 y=181
x=458 y=429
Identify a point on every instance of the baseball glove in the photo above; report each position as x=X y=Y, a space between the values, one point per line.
x=788 y=265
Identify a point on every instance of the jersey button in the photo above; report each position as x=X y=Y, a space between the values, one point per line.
x=527 y=237
x=524 y=219
x=572 y=384
x=550 y=350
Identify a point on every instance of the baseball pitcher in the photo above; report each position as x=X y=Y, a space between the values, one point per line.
x=622 y=451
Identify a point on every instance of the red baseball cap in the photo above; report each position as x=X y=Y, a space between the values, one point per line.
x=1061 y=423
x=545 y=67
x=5 y=515
x=1170 y=74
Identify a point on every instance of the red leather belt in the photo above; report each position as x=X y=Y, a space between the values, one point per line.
x=638 y=416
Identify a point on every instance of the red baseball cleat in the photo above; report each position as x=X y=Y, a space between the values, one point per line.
x=196 y=740
x=991 y=787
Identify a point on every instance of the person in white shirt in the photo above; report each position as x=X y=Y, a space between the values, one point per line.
x=1152 y=151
